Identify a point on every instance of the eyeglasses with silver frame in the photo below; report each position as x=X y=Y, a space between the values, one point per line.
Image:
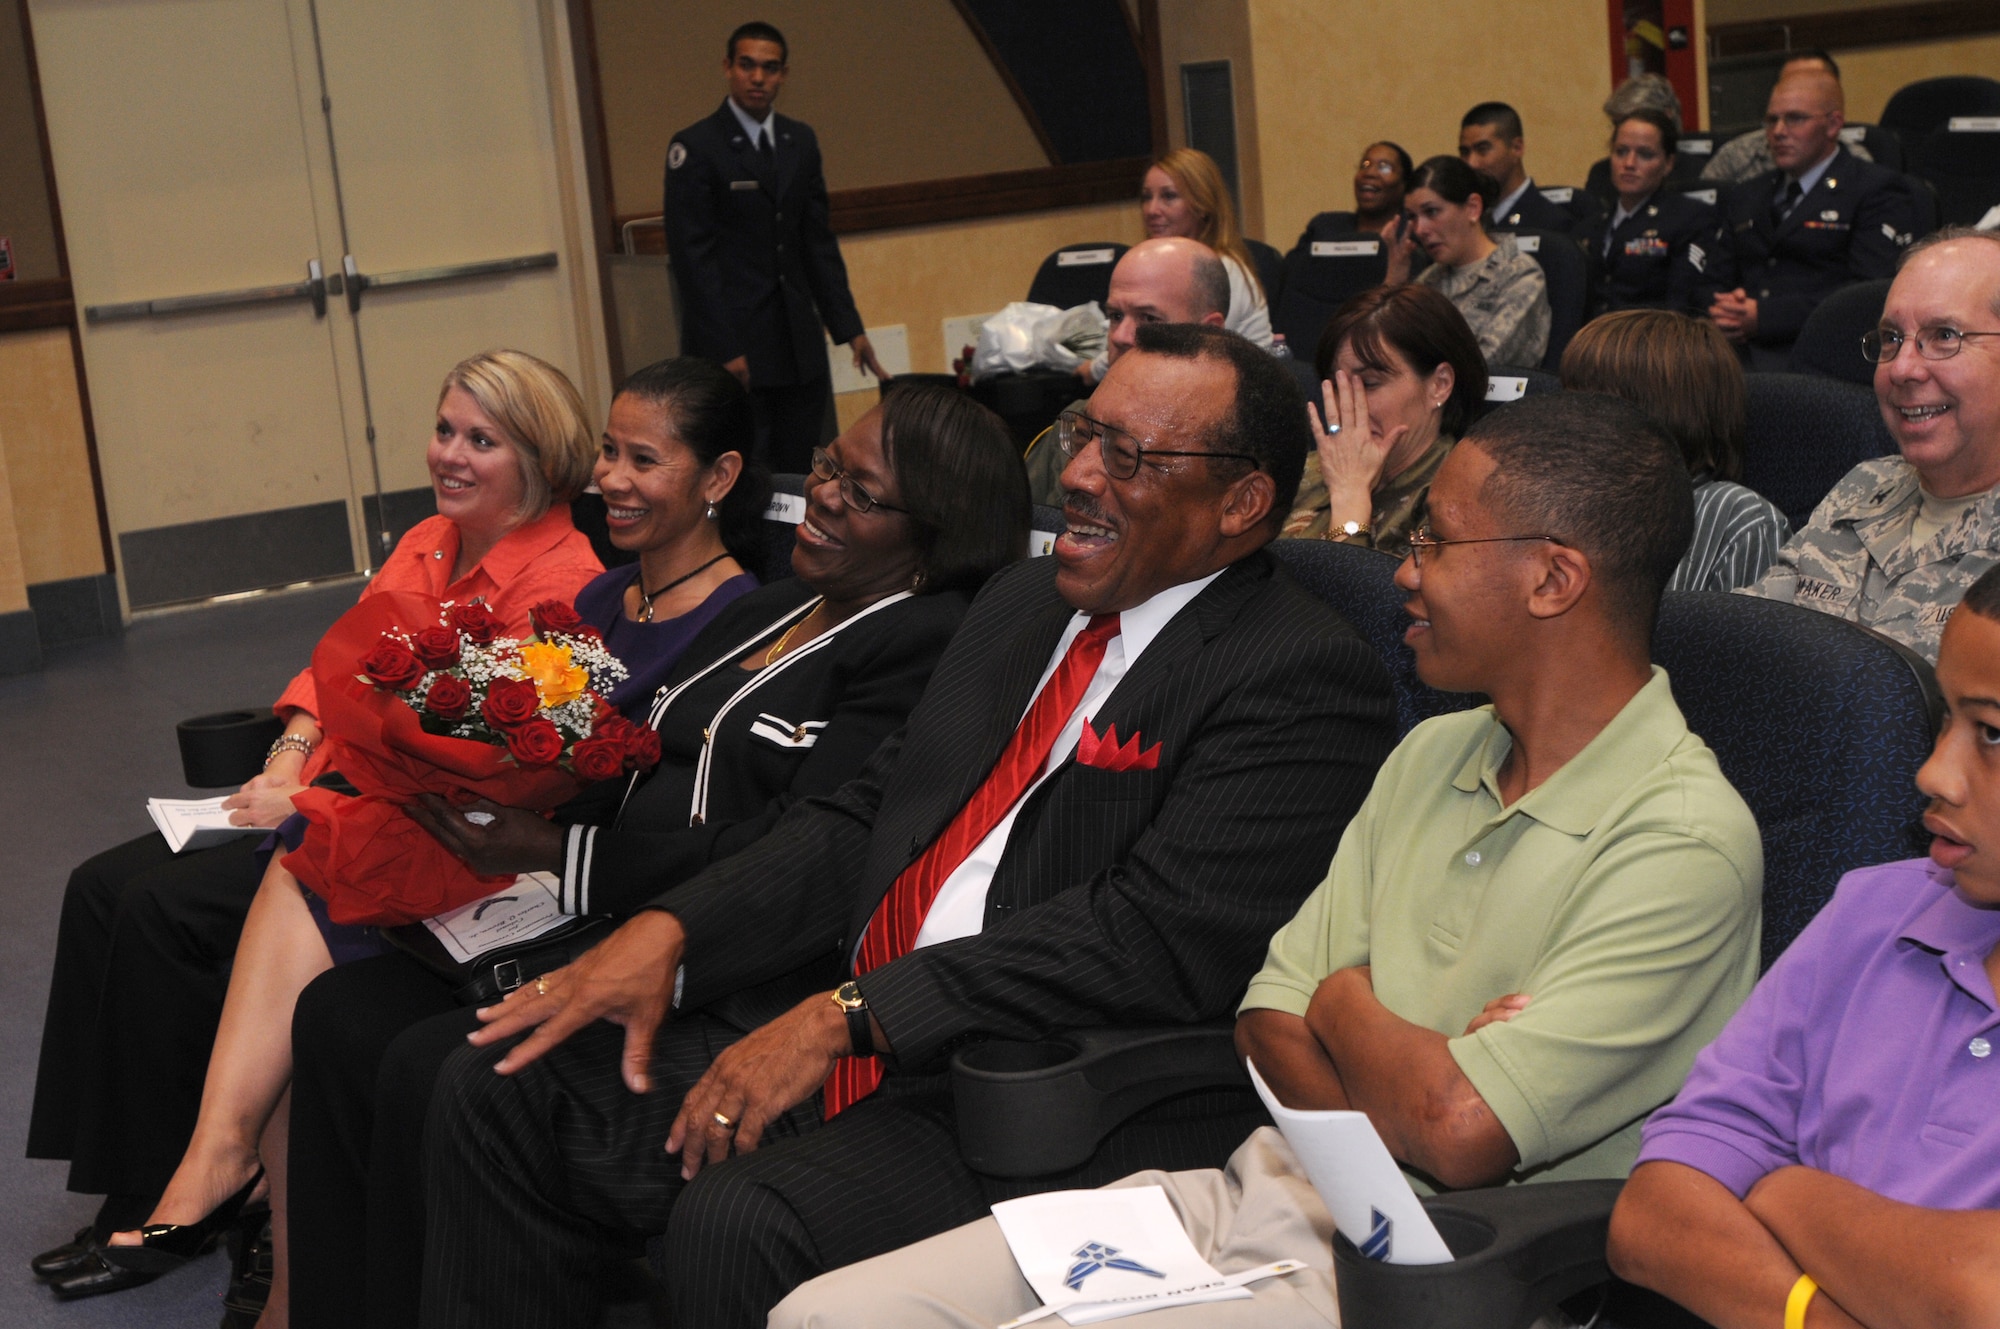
x=1424 y=538
x=1879 y=346
x=1121 y=452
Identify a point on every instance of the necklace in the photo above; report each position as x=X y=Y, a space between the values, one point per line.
x=783 y=641
x=648 y=597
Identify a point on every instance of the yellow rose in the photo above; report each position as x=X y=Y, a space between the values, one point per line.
x=557 y=679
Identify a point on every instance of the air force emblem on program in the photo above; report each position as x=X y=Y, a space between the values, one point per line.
x=1094 y=1256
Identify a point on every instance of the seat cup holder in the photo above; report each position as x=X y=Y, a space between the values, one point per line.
x=227 y=748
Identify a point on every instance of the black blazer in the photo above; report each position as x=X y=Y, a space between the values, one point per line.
x=755 y=260
x=1852 y=227
x=1133 y=897
x=806 y=728
x=1659 y=255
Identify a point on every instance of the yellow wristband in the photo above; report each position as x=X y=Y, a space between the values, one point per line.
x=1795 y=1304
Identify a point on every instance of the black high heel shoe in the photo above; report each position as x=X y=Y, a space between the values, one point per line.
x=165 y=1247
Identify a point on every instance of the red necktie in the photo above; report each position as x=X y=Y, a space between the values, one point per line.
x=892 y=932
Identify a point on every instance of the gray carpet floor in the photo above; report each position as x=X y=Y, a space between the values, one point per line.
x=83 y=745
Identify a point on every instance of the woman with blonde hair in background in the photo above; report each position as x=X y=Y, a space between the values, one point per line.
x=1183 y=194
x=148 y=938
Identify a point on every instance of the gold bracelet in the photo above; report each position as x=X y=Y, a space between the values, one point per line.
x=1800 y=1297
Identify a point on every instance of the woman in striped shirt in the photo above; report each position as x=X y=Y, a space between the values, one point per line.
x=1682 y=372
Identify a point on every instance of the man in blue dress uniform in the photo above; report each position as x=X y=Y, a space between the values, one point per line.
x=757 y=266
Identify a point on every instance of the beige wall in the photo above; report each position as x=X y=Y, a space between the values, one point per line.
x=897 y=90
x=1410 y=81
x=1199 y=30
x=24 y=197
x=922 y=275
x=13 y=584
x=43 y=448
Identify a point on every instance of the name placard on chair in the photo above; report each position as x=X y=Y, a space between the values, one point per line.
x=1345 y=248
x=1506 y=387
x=1084 y=258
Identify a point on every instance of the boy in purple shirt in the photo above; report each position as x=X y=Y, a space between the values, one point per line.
x=1834 y=1159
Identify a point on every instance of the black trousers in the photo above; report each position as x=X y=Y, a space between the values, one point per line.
x=367 y=1039
x=533 y=1180
x=143 y=954
x=791 y=422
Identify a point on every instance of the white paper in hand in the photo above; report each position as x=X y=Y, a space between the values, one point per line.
x=196 y=823
x=1098 y=1255
x=1367 y=1194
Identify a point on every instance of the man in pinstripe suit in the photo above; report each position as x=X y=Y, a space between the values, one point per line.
x=1197 y=732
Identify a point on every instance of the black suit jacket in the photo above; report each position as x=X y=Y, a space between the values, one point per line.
x=1852 y=227
x=1133 y=897
x=1659 y=255
x=806 y=730
x=755 y=260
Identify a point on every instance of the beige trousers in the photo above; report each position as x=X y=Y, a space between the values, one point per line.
x=1259 y=1209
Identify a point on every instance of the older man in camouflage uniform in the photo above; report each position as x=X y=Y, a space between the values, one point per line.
x=1897 y=542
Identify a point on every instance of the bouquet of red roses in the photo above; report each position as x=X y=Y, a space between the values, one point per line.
x=452 y=708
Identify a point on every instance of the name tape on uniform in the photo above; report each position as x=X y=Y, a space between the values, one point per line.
x=1505 y=387
x=1696 y=147
x=1345 y=248
x=787 y=508
x=1084 y=258
x=1974 y=124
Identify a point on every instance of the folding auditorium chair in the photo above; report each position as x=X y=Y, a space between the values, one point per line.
x=1963 y=165
x=1885 y=146
x=781 y=518
x=1329 y=265
x=1829 y=344
x=1270 y=266
x=1568 y=278
x=1930 y=103
x=1076 y=274
x=1044 y=525
x=1805 y=432
x=1819 y=723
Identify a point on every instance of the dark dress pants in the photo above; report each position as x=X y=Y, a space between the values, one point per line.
x=367 y=1039
x=143 y=954
x=791 y=421
x=533 y=1180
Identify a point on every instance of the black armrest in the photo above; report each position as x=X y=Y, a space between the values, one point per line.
x=227 y=748
x=1520 y=1249
x=1029 y=1109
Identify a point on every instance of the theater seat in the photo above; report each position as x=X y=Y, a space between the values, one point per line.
x=781 y=518
x=1829 y=344
x=1076 y=274
x=1568 y=278
x=1330 y=264
x=1805 y=432
x=1930 y=103
x=1821 y=726
x=1270 y=272
x=1963 y=165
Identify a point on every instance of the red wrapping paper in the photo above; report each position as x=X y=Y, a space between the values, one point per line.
x=363 y=855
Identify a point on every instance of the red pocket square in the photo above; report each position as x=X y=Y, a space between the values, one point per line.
x=1106 y=753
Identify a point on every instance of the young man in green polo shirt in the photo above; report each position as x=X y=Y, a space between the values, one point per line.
x=1544 y=909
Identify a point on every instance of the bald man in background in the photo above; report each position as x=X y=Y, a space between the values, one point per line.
x=1168 y=280
x=1820 y=220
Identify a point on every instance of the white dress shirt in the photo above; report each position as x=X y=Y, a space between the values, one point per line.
x=756 y=129
x=960 y=907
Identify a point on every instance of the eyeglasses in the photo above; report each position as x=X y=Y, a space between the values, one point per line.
x=1380 y=166
x=1422 y=539
x=1882 y=345
x=1792 y=119
x=1121 y=452
x=851 y=493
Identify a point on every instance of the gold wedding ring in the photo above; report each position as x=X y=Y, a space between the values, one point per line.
x=724 y=1122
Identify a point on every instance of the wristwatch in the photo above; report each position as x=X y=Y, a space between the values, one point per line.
x=848 y=997
x=1346 y=530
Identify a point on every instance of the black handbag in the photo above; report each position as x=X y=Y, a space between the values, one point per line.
x=486 y=978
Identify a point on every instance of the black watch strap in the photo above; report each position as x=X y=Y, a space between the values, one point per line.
x=859 y=1034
